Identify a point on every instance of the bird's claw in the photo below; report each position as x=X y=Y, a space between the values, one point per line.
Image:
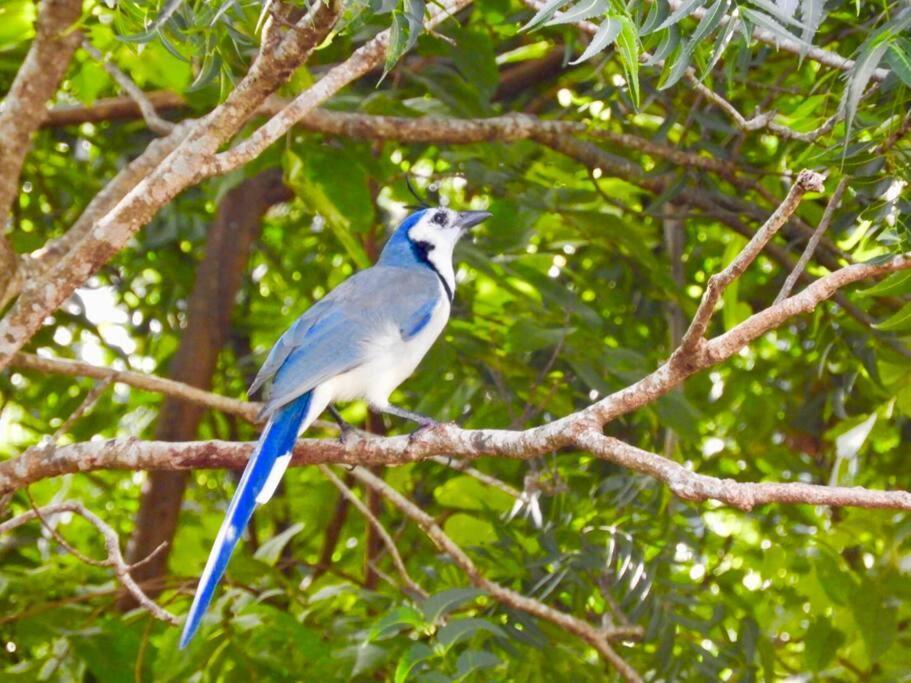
x=416 y=435
x=347 y=435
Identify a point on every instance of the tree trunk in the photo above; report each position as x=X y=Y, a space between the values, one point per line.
x=218 y=278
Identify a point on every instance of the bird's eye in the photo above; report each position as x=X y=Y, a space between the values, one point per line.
x=439 y=218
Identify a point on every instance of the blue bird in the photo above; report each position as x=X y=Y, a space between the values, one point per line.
x=359 y=342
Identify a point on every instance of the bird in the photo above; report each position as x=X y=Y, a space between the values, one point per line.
x=360 y=341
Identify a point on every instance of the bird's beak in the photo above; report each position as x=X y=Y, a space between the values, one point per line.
x=469 y=219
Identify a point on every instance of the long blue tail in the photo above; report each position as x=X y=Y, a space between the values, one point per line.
x=261 y=476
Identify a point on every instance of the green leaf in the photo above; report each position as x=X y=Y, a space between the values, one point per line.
x=897 y=284
x=270 y=551
x=459 y=629
x=812 y=12
x=899 y=59
x=605 y=35
x=628 y=49
x=710 y=20
x=586 y=9
x=395 y=621
x=682 y=12
x=876 y=622
x=467 y=493
x=414 y=655
x=722 y=40
x=867 y=62
x=443 y=603
x=544 y=14
x=473 y=660
x=898 y=321
x=467 y=530
x=821 y=644
x=768 y=23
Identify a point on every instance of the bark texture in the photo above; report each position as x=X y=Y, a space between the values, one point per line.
x=24 y=108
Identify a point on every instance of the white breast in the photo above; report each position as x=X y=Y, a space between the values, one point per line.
x=391 y=361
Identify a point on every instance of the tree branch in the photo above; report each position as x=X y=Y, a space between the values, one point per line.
x=152 y=119
x=74 y=368
x=112 y=544
x=180 y=169
x=807 y=181
x=807 y=254
x=597 y=638
x=23 y=109
x=413 y=588
x=43 y=462
x=692 y=486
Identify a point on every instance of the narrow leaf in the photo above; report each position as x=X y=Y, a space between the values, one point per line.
x=900 y=320
x=867 y=62
x=721 y=44
x=665 y=48
x=682 y=12
x=899 y=60
x=709 y=21
x=544 y=14
x=628 y=48
x=894 y=285
x=606 y=34
x=580 y=12
x=812 y=12
x=773 y=26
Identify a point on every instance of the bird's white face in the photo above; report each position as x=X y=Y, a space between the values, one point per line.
x=437 y=233
x=440 y=229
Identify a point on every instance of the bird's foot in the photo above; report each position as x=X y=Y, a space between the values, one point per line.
x=347 y=434
x=422 y=430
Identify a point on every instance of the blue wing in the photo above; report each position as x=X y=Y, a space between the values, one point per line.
x=263 y=470
x=334 y=336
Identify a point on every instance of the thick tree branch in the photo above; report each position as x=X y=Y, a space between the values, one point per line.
x=597 y=638
x=24 y=108
x=114 y=559
x=689 y=485
x=43 y=462
x=365 y=58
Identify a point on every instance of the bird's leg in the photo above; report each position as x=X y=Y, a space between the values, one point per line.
x=422 y=420
x=346 y=428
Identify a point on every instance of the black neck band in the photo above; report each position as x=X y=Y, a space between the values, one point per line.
x=422 y=252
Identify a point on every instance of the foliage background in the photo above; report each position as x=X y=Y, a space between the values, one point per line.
x=565 y=295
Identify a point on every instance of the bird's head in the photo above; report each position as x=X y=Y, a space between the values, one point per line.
x=441 y=227
x=430 y=235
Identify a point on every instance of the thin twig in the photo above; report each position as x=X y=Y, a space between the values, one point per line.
x=597 y=638
x=114 y=559
x=807 y=254
x=807 y=181
x=410 y=583
x=149 y=114
x=465 y=468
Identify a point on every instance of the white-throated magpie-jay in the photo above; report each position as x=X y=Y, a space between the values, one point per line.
x=359 y=342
